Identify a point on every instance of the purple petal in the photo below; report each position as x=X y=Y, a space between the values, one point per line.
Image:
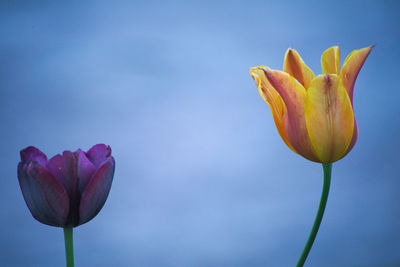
x=31 y=153
x=85 y=170
x=45 y=197
x=96 y=192
x=98 y=154
x=64 y=168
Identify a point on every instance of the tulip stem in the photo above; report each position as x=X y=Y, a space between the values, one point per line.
x=69 y=246
x=322 y=204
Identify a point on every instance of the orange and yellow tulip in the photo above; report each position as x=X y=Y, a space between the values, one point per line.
x=314 y=114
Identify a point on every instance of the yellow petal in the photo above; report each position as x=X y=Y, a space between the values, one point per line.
x=353 y=139
x=351 y=67
x=329 y=117
x=295 y=66
x=274 y=100
x=330 y=60
x=293 y=95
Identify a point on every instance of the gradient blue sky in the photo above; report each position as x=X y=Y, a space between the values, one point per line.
x=202 y=177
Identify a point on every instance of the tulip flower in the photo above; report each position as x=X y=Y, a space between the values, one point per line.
x=314 y=114
x=67 y=190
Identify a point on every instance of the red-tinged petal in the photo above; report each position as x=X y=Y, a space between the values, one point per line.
x=98 y=154
x=96 y=192
x=329 y=117
x=274 y=100
x=31 y=153
x=85 y=170
x=330 y=60
x=351 y=67
x=45 y=197
x=293 y=95
x=295 y=66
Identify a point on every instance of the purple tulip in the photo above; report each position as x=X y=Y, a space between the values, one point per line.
x=69 y=189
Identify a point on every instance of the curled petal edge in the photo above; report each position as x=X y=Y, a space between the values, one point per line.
x=274 y=101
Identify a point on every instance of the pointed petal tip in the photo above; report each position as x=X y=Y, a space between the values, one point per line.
x=290 y=52
x=352 y=66
x=367 y=48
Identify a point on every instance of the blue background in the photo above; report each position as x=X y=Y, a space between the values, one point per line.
x=202 y=176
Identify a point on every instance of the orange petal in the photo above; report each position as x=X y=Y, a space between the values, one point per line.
x=330 y=60
x=329 y=117
x=295 y=66
x=274 y=100
x=293 y=95
x=351 y=67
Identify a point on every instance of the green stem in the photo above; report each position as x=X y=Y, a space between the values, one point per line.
x=324 y=198
x=69 y=246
